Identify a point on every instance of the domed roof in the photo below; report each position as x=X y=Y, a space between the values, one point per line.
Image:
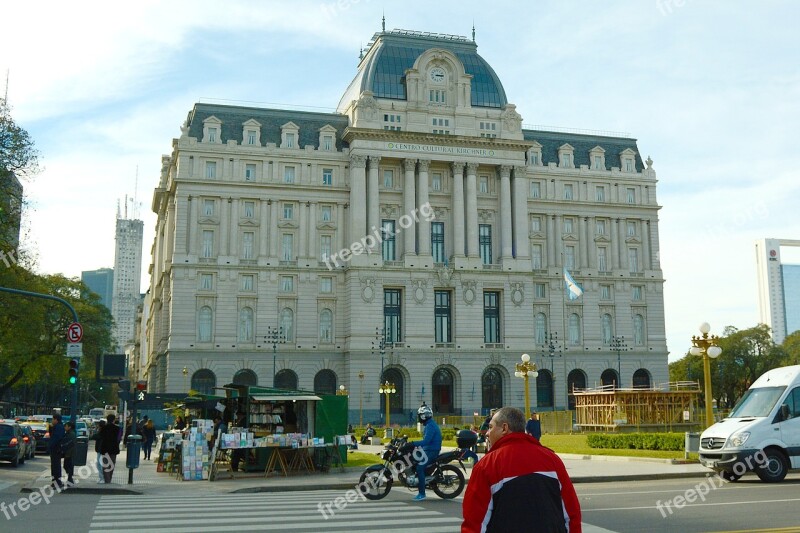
x=390 y=54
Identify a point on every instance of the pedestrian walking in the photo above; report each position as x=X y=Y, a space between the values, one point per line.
x=148 y=436
x=109 y=447
x=98 y=450
x=54 y=449
x=534 y=427
x=519 y=485
x=68 y=451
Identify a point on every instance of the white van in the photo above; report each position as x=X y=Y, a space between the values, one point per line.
x=762 y=432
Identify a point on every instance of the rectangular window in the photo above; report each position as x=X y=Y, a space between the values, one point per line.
x=327 y=143
x=631 y=195
x=539 y=290
x=327 y=176
x=247 y=244
x=287 y=283
x=247 y=282
x=392 y=323
x=436 y=181
x=287 y=245
x=437 y=242
x=533 y=159
x=629 y=165
x=326 y=285
x=325 y=212
x=324 y=247
x=536 y=256
x=388 y=244
x=251 y=136
x=569 y=225
x=567 y=191
x=636 y=293
x=290 y=140
x=441 y=316
x=598 y=162
x=208 y=243
x=536 y=224
x=605 y=292
x=484 y=184
x=631 y=228
x=212 y=135
x=288 y=211
x=208 y=208
x=288 y=175
x=207 y=282
x=566 y=160
x=437 y=96
x=602 y=261
x=249 y=209
x=633 y=259
x=600 y=227
x=388 y=179
x=491 y=317
x=569 y=257
x=600 y=193
x=211 y=169
x=485 y=243
x=536 y=189
x=249 y=172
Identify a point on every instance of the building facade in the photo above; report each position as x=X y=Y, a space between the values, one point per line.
x=127 y=280
x=418 y=235
x=778 y=288
x=100 y=282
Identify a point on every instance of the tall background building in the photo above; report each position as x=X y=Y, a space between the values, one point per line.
x=100 y=282
x=127 y=278
x=10 y=210
x=778 y=288
x=316 y=226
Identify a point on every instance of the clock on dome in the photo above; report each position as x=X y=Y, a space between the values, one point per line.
x=437 y=74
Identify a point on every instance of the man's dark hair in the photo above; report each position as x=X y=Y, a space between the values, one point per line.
x=57 y=416
x=111 y=419
x=511 y=416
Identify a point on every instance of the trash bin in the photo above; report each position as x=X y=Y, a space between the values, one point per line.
x=134 y=451
x=692 y=443
x=389 y=433
x=80 y=451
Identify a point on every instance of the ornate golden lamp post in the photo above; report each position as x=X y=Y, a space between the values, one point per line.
x=361 y=399
x=526 y=369
x=706 y=346
x=186 y=379
x=387 y=389
x=342 y=391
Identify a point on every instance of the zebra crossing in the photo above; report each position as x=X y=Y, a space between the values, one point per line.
x=288 y=511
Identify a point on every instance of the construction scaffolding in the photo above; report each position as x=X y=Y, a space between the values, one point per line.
x=666 y=407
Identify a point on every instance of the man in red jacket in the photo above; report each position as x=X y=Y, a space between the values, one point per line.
x=519 y=485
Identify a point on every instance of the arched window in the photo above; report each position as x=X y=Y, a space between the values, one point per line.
x=204 y=324
x=641 y=379
x=245 y=377
x=394 y=376
x=325 y=382
x=287 y=324
x=609 y=377
x=245 y=324
x=575 y=380
x=204 y=381
x=540 y=328
x=638 y=330
x=608 y=330
x=286 y=379
x=574 y=329
x=443 y=391
x=325 y=326
x=544 y=389
x=491 y=389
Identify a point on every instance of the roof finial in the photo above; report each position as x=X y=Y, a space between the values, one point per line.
x=473 y=31
x=383 y=22
x=360 y=52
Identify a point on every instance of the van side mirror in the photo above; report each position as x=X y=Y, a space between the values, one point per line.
x=785 y=415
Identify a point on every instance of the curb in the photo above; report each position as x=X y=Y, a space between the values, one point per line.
x=76 y=490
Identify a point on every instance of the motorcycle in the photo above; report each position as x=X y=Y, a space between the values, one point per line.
x=446 y=480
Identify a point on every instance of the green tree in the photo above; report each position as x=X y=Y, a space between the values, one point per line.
x=791 y=350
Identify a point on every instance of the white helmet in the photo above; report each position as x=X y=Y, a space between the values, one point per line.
x=424 y=413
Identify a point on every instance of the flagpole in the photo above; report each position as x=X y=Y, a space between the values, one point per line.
x=564 y=334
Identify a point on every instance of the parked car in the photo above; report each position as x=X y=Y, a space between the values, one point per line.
x=30 y=441
x=81 y=429
x=42 y=433
x=12 y=447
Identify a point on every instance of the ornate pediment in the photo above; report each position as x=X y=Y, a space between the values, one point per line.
x=288 y=224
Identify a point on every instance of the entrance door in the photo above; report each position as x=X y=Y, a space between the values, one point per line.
x=443 y=392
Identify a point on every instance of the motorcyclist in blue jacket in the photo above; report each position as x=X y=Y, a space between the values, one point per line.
x=431 y=444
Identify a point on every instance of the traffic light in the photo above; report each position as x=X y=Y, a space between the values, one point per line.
x=141 y=386
x=73 y=371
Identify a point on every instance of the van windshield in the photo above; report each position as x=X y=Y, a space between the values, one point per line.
x=757 y=402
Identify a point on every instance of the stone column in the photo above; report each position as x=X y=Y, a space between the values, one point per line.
x=409 y=204
x=185 y=213
x=615 y=244
x=424 y=226
x=458 y=209
x=472 y=210
x=313 y=239
x=340 y=229
x=358 y=196
x=506 y=250
x=521 y=186
x=273 y=228
x=264 y=228
x=373 y=203
x=224 y=230
x=591 y=258
x=584 y=243
x=234 y=234
x=558 y=226
x=623 y=247
x=646 y=254
x=302 y=220
x=551 y=242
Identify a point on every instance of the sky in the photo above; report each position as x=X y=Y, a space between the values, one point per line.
x=711 y=91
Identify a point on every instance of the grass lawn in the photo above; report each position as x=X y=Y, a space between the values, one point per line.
x=363 y=459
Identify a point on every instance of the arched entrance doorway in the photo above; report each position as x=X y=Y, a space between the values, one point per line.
x=393 y=375
x=443 y=391
x=575 y=380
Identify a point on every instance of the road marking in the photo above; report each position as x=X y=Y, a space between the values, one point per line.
x=705 y=504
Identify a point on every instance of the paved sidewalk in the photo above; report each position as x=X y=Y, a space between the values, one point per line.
x=582 y=469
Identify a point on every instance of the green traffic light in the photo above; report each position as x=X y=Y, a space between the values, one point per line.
x=72 y=380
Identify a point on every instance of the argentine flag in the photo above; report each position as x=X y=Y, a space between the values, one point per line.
x=574 y=290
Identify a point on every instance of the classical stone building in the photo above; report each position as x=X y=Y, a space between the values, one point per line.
x=316 y=228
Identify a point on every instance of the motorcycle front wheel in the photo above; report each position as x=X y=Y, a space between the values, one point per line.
x=374 y=484
x=449 y=483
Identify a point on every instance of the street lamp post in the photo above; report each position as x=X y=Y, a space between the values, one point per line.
x=550 y=349
x=526 y=369
x=342 y=391
x=274 y=336
x=706 y=346
x=387 y=389
x=361 y=398
x=619 y=345
x=186 y=379
x=380 y=345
